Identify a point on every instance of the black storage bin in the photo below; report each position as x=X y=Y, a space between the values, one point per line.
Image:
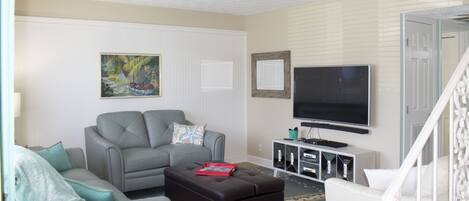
x=291 y=162
x=328 y=165
x=279 y=155
x=345 y=167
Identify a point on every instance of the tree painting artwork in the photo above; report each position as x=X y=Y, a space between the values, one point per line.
x=130 y=75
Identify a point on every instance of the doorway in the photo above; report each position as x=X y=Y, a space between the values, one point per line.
x=420 y=77
x=432 y=44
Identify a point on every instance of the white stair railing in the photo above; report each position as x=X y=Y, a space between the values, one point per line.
x=456 y=94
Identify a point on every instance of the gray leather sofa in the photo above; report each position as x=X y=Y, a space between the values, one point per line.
x=79 y=172
x=131 y=149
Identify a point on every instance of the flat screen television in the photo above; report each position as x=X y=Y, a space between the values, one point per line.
x=333 y=94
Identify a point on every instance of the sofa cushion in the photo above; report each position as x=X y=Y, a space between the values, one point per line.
x=118 y=195
x=79 y=174
x=89 y=192
x=124 y=129
x=184 y=153
x=160 y=125
x=139 y=159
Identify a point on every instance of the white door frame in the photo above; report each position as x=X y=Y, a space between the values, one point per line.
x=7 y=181
x=436 y=44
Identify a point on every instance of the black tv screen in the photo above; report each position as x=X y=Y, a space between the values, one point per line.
x=332 y=94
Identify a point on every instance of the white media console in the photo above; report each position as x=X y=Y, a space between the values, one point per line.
x=319 y=163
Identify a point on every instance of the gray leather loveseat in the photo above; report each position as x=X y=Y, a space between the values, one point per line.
x=131 y=149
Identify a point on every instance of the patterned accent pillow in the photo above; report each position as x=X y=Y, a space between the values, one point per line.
x=188 y=134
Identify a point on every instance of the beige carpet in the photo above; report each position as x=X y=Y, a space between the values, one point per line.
x=308 y=197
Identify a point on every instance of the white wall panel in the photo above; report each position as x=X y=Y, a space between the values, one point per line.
x=57 y=72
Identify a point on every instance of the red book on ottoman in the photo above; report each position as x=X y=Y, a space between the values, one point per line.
x=216 y=169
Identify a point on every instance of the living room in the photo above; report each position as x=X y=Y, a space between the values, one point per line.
x=202 y=58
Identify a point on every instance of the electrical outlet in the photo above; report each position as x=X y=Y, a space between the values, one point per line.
x=260 y=148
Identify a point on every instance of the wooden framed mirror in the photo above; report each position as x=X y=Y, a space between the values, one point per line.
x=270 y=73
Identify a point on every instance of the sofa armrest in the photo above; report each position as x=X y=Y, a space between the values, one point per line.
x=187 y=122
x=216 y=143
x=104 y=158
x=339 y=190
x=77 y=157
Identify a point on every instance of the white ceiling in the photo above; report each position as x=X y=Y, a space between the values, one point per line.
x=236 y=7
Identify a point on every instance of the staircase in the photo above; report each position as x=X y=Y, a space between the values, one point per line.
x=456 y=94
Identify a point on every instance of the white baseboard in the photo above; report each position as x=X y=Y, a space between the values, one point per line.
x=260 y=161
x=236 y=159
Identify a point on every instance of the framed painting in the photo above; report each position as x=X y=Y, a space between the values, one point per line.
x=130 y=75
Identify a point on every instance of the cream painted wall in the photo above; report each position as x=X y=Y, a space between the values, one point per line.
x=334 y=32
x=98 y=10
x=57 y=72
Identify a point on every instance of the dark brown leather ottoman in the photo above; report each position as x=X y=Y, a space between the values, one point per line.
x=181 y=184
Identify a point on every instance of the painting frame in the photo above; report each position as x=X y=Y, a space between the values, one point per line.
x=157 y=94
x=269 y=56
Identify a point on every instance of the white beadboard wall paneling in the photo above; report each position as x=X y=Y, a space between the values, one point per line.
x=216 y=75
x=57 y=71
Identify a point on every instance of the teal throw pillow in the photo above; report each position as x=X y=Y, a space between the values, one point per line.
x=56 y=156
x=90 y=193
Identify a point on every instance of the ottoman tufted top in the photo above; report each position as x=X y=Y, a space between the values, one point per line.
x=243 y=184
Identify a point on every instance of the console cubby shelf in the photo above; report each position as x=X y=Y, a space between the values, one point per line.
x=319 y=163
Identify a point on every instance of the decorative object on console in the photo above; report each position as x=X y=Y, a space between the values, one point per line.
x=270 y=73
x=188 y=134
x=130 y=75
x=293 y=133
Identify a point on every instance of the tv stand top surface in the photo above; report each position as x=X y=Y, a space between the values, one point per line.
x=352 y=150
